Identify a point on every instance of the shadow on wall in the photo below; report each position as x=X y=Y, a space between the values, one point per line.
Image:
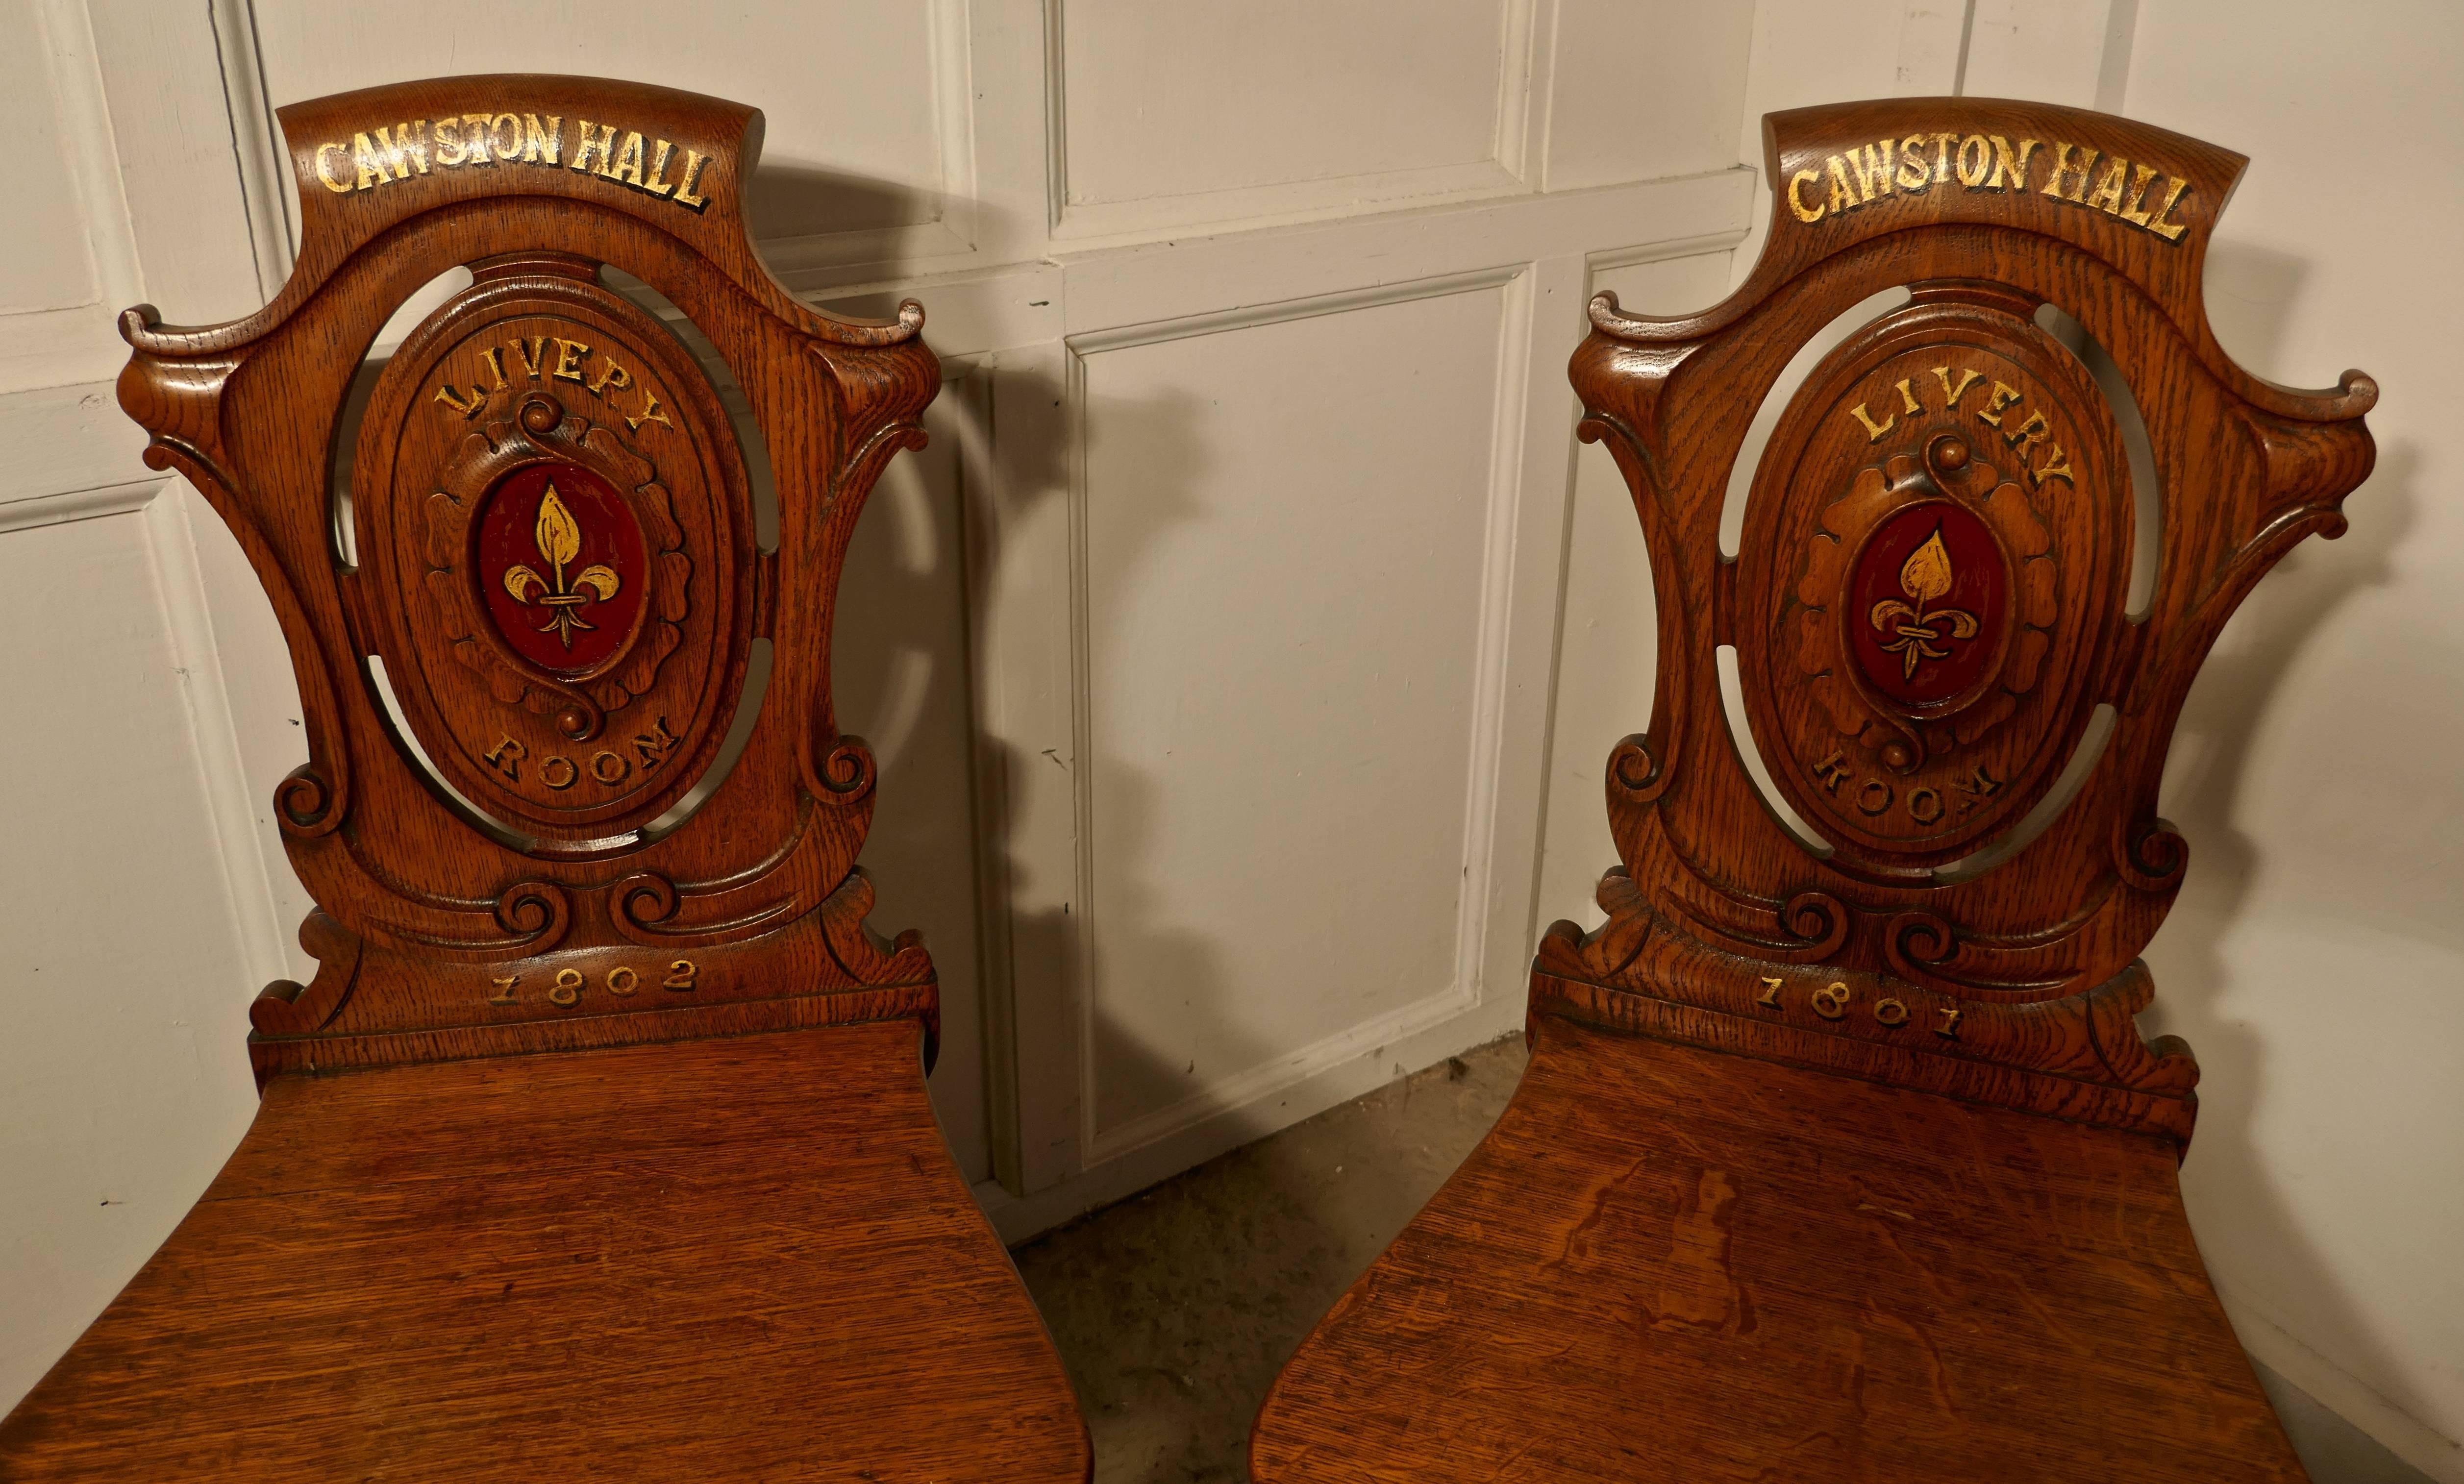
x=1166 y=1380
x=2238 y=686
x=788 y=202
x=1179 y=967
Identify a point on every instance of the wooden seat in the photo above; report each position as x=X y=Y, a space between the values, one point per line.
x=1841 y=1156
x=599 y=1146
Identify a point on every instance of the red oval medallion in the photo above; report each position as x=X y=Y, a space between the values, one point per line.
x=558 y=556
x=1926 y=603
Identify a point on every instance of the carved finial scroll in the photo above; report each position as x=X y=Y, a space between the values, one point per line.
x=544 y=639
x=1928 y=605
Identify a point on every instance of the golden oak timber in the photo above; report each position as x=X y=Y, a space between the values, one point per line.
x=598 y=1145
x=1843 y=1158
x=743 y=1257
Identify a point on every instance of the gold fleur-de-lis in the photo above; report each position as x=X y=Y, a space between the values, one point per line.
x=1925 y=576
x=557 y=535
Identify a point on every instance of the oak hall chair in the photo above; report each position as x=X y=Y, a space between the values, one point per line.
x=1839 y=1156
x=599 y=1146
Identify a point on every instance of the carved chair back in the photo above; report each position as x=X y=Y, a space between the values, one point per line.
x=1839 y=1155
x=523 y=632
x=1930 y=607
x=522 y=644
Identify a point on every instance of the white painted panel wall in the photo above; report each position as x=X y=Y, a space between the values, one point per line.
x=1645 y=88
x=1175 y=99
x=52 y=266
x=1277 y=690
x=111 y=1129
x=2315 y=956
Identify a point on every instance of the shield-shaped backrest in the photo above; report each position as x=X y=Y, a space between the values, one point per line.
x=1931 y=609
x=524 y=640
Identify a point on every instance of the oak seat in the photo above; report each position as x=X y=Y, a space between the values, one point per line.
x=748 y=1258
x=1669 y=1263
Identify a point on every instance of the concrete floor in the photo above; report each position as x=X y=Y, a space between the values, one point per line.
x=1174 y=1308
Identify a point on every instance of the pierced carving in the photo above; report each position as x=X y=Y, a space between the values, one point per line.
x=1927 y=606
x=557 y=587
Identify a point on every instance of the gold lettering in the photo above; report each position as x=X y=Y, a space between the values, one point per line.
x=533 y=355
x=622 y=980
x=1831 y=1001
x=1874 y=431
x=477 y=138
x=1890 y=1011
x=409 y=141
x=2138 y=194
x=1942 y=156
x=1873 y=164
x=1907 y=398
x=1843 y=196
x=1914 y=174
x=1948 y=1030
x=1925 y=806
x=1951 y=394
x=1973 y=176
x=469 y=408
x=2004 y=394
x=680 y=974
x=449 y=150
x=609 y=768
x=2056 y=466
x=504 y=994
x=389 y=163
x=686 y=195
x=568 y=986
x=1770 y=992
x=653 y=746
x=2005 y=160
x=2174 y=186
x=495 y=360
x=1795 y=203
x=372 y=167
x=1832 y=771
x=658 y=183
x=511 y=127
x=2062 y=166
x=569 y=356
x=1874 y=797
x=506 y=758
x=326 y=172
x=566 y=776
x=651 y=413
x=588 y=143
x=2028 y=434
x=613 y=378
x=542 y=146
x=629 y=161
x=2107 y=195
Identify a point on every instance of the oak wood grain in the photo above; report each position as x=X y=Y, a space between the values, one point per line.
x=598 y=1145
x=1841 y=1156
x=1669 y=1263
x=743 y=1257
